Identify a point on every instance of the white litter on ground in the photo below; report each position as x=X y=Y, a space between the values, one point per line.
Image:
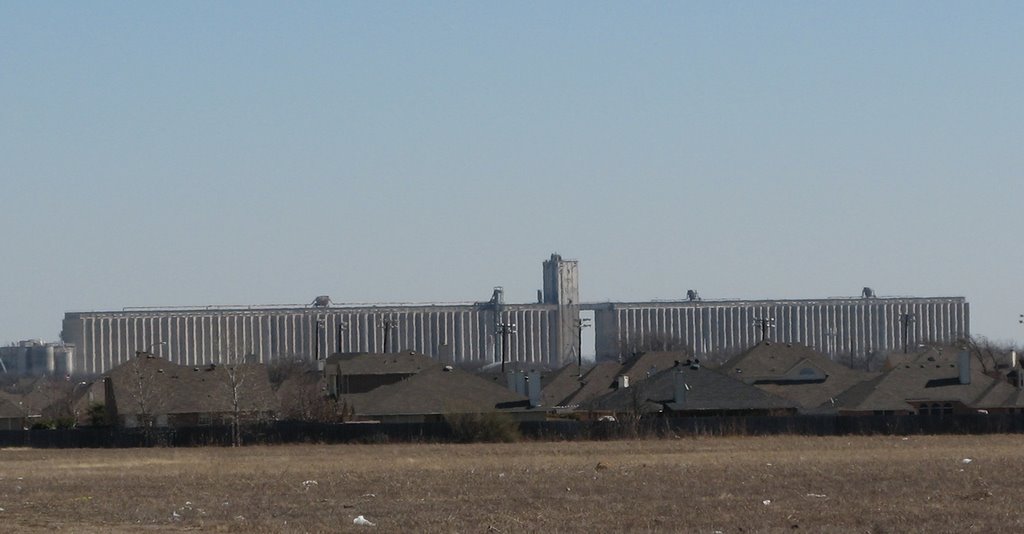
x=363 y=522
x=966 y=461
x=766 y=502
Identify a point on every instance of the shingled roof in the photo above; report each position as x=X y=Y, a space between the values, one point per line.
x=365 y=363
x=707 y=390
x=931 y=376
x=567 y=389
x=157 y=386
x=9 y=410
x=435 y=391
x=796 y=372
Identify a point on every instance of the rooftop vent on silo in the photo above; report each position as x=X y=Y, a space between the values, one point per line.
x=691 y=295
x=867 y=293
x=322 y=301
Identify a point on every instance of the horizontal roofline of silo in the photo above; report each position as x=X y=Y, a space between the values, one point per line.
x=383 y=307
x=762 y=302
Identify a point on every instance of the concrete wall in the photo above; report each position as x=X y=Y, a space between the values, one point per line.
x=562 y=289
x=833 y=326
x=456 y=334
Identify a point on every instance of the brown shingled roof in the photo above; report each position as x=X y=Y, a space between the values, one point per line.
x=707 y=390
x=795 y=372
x=435 y=391
x=9 y=410
x=930 y=376
x=376 y=363
x=161 y=387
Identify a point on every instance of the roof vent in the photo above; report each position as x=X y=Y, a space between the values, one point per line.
x=867 y=293
x=322 y=301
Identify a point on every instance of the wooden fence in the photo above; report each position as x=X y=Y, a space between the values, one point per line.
x=281 y=432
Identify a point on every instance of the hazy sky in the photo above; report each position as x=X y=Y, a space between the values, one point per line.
x=193 y=153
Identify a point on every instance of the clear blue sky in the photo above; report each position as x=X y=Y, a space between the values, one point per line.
x=186 y=153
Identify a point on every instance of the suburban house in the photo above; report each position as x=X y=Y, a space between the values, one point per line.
x=689 y=389
x=12 y=416
x=566 y=390
x=795 y=372
x=935 y=382
x=151 y=391
x=412 y=387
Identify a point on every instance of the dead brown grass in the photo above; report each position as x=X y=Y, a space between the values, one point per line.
x=857 y=484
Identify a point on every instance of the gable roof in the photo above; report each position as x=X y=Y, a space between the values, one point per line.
x=707 y=390
x=928 y=377
x=9 y=410
x=602 y=378
x=155 y=385
x=435 y=390
x=597 y=381
x=560 y=385
x=795 y=372
x=365 y=363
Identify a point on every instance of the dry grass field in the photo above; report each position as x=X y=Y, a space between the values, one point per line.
x=788 y=483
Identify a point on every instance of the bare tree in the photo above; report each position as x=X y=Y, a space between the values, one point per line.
x=990 y=354
x=305 y=399
x=235 y=376
x=248 y=391
x=142 y=387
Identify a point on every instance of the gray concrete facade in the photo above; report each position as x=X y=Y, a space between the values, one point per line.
x=546 y=333
x=836 y=326
x=459 y=334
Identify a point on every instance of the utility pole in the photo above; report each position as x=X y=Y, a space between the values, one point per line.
x=505 y=330
x=341 y=328
x=319 y=329
x=387 y=324
x=580 y=323
x=764 y=323
x=906 y=319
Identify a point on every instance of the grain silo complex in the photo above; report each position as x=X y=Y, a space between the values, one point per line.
x=861 y=327
x=540 y=334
